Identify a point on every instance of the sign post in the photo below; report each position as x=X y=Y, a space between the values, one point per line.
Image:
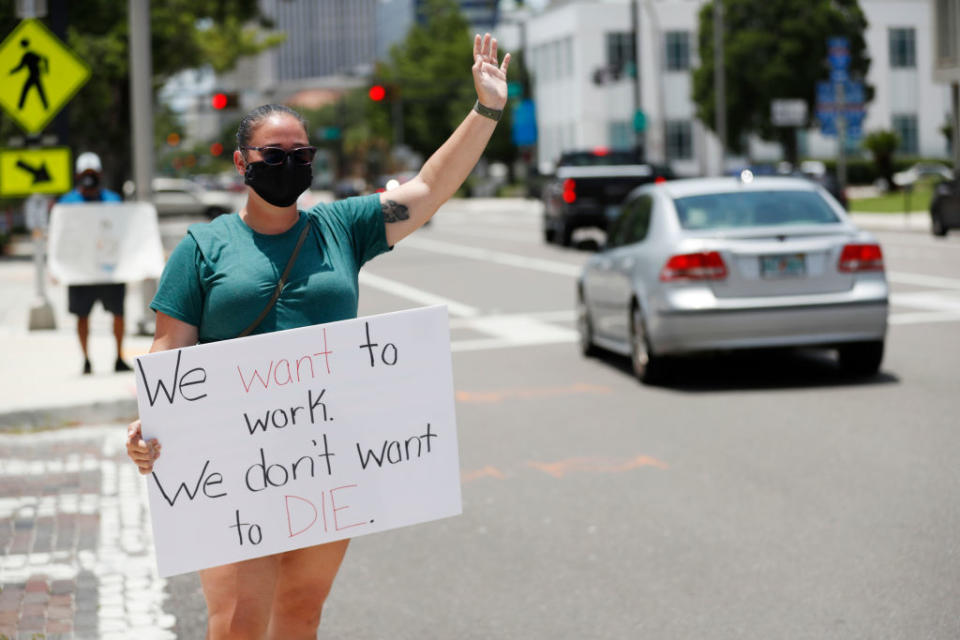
x=41 y=76
x=41 y=311
x=838 y=53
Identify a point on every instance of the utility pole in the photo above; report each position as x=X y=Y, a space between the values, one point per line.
x=637 y=95
x=719 y=82
x=141 y=117
x=141 y=101
x=841 y=135
x=955 y=99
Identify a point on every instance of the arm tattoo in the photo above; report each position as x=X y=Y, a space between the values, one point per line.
x=394 y=211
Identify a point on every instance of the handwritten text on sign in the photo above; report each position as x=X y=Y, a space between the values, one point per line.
x=297 y=438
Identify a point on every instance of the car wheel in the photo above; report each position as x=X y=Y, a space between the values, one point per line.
x=585 y=327
x=939 y=229
x=861 y=358
x=549 y=235
x=647 y=367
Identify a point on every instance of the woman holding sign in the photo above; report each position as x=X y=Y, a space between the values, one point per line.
x=221 y=282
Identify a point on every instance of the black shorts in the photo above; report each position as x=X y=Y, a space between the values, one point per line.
x=82 y=296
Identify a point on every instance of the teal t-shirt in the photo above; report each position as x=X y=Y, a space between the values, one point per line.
x=223 y=273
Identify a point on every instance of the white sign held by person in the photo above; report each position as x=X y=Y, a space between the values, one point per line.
x=296 y=438
x=99 y=243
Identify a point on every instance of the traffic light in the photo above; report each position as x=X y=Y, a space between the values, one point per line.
x=224 y=100
x=216 y=149
x=377 y=92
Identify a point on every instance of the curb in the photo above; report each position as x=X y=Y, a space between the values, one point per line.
x=40 y=419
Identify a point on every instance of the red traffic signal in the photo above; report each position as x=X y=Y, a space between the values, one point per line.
x=216 y=149
x=221 y=101
x=377 y=93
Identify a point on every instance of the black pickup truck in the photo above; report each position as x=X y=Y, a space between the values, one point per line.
x=589 y=187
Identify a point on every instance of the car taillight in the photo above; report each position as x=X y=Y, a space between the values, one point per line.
x=861 y=257
x=569 y=191
x=659 y=180
x=706 y=265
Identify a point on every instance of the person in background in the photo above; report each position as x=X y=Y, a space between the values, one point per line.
x=219 y=279
x=89 y=188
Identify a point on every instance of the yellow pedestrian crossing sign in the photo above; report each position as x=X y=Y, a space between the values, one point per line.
x=40 y=75
x=26 y=171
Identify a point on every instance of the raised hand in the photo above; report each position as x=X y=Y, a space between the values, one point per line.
x=489 y=80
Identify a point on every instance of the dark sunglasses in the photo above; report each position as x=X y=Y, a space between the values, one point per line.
x=276 y=155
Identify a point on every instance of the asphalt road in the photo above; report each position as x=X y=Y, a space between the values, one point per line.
x=757 y=496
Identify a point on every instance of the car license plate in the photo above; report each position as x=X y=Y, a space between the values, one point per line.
x=790 y=265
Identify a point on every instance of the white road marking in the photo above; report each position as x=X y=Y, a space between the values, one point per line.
x=928 y=300
x=496 y=257
x=520 y=236
x=937 y=282
x=902 y=241
x=922 y=317
x=417 y=295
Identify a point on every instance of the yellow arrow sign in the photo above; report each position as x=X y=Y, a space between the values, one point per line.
x=26 y=171
x=40 y=75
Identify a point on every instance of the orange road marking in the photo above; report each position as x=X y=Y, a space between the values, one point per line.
x=493 y=397
x=596 y=465
x=486 y=472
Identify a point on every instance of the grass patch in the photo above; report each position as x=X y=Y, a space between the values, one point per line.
x=897 y=201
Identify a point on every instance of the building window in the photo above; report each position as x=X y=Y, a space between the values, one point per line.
x=620 y=55
x=677 y=56
x=906 y=127
x=679 y=140
x=621 y=135
x=903 y=48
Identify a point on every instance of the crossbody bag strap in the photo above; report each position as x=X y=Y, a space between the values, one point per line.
x=283 y=281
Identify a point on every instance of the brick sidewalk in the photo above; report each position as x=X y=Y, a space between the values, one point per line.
x=75 y=540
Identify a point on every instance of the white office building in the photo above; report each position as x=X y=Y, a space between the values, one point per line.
x=571 y=42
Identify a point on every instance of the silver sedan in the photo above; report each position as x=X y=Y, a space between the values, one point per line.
x=734 y=263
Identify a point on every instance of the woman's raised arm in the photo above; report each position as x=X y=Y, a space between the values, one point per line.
x=410 y=205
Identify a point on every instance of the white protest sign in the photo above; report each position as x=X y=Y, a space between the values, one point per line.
x=296 y=438
x=96 y=242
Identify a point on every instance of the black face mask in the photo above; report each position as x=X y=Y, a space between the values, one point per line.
x=279 y=184
x=89 y=181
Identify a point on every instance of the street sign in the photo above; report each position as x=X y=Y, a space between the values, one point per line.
x=40 y=75
x=854 y=123
x=26 y=171
x=839 y=75
x=328 y=133
x=524 y=124
x=639 y=121
x=788 y=112
x=838 y=53
x=853 y=95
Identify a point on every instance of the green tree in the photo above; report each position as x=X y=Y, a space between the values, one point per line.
x=882 y=144
x=429 y=72
x=184 y=34
x=773 y=49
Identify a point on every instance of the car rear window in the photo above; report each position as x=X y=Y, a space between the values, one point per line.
x=753 y=209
